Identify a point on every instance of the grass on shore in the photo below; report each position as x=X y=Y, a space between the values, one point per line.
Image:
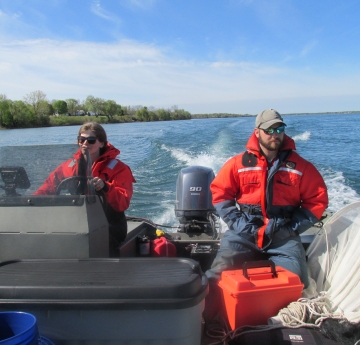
x=79 y=120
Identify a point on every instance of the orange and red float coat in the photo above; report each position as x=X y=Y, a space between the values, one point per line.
x=117 y=176
x=286 y=192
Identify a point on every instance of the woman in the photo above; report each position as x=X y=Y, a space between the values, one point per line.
x=111 y=178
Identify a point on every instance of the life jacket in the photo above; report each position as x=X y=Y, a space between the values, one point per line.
x=274 y=190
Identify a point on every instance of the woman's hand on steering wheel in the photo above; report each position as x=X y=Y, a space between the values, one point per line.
x=98 y=183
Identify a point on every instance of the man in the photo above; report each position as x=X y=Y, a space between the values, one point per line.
x=279 y=196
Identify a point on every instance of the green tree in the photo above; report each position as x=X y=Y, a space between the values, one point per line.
x=60 y=107
x=181 y=114
x=21 y=113
x=164 y=115
x=36 y=100
x=72 y=105
x=44 y=109
x=142 y=114
x=51 y=109
x=153 y=116
x=111 y=108
x=95 y=104
x=6 y=119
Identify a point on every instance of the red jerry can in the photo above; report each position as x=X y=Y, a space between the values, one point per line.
x=163 y=247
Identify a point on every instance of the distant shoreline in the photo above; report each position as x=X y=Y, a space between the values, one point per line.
x=327 y=113
x=217 y=115
x=79 y=120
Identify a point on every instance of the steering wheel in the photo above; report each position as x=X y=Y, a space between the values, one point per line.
x=72 y=185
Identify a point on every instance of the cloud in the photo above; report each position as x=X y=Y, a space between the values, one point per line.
x=143 y=4
x=5 y=16
x=98 y=10
x=9 y=19
x=133 y=73
x=305 y=51
x=308 y=48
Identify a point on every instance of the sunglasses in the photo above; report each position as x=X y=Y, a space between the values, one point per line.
x=271 y=131
x=90 y=140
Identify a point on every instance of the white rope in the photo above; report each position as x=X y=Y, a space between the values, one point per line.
x=308 y=312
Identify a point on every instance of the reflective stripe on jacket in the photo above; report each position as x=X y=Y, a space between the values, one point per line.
x=288 y=194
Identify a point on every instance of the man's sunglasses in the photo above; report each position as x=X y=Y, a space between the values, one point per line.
x=90 y=140
x=271 y=131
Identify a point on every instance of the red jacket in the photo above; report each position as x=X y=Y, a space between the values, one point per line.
x=116 y=175
x=289 y=190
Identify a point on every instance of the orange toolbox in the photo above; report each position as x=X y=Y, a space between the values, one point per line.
x=257 y=292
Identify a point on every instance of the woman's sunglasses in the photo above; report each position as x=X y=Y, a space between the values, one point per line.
x=271 y=131
x=90 y=140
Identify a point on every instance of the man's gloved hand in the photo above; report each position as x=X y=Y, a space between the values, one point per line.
x=247 y=225
x=284 y=230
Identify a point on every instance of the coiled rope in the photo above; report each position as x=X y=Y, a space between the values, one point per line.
x=302 y=313
x=308 y=312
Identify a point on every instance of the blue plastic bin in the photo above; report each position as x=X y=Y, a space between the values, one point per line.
x=19 y=328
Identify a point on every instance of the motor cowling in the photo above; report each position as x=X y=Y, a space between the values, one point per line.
x=193 y=199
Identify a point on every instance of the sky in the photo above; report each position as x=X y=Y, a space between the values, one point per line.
x=204 y=56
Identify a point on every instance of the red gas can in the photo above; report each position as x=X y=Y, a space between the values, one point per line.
x=256 y=293
x=163 y=247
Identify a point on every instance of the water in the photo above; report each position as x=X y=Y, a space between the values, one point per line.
x=157 y=151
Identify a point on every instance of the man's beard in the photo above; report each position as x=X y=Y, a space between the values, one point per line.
x=274 y=145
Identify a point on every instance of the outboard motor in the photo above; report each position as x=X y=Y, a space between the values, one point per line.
x=194 y=207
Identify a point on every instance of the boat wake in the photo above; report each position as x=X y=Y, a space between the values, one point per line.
x=302 y=137
x=340 y=194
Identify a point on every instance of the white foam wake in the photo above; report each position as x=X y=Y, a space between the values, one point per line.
x=190 y=159
x=302 y=137
x=339 y=193
x=168 y=216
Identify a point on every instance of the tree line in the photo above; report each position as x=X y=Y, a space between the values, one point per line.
x=36 y=111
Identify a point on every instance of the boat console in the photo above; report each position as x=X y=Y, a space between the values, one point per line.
x=47 y=227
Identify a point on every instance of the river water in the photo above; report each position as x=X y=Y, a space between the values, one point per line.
x=157 y=151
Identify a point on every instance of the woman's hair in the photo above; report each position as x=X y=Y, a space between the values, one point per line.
x=99 y=132
x=97 y=129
